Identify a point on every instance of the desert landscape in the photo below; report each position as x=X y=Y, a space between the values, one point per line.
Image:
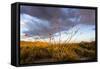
x=37 y=52
x=50 y=34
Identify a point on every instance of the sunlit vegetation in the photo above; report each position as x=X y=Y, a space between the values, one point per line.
x=38 y=52
x=42 y=51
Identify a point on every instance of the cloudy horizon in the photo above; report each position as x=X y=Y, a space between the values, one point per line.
x=39 y=23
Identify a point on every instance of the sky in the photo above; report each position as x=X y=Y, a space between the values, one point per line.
x=43 y=23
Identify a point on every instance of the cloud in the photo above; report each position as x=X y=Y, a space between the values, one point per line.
x=36 y=26
x=87 y=16
x=33 y=25
x=45 y=21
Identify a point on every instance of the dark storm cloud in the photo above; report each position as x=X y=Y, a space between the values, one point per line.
x=87 y=16
x=46 y=20
x=40 y=12
x=48 y=12
x=34 y=11
x=37 y=26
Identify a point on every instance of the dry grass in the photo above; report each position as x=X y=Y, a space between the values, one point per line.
x=37 y=52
